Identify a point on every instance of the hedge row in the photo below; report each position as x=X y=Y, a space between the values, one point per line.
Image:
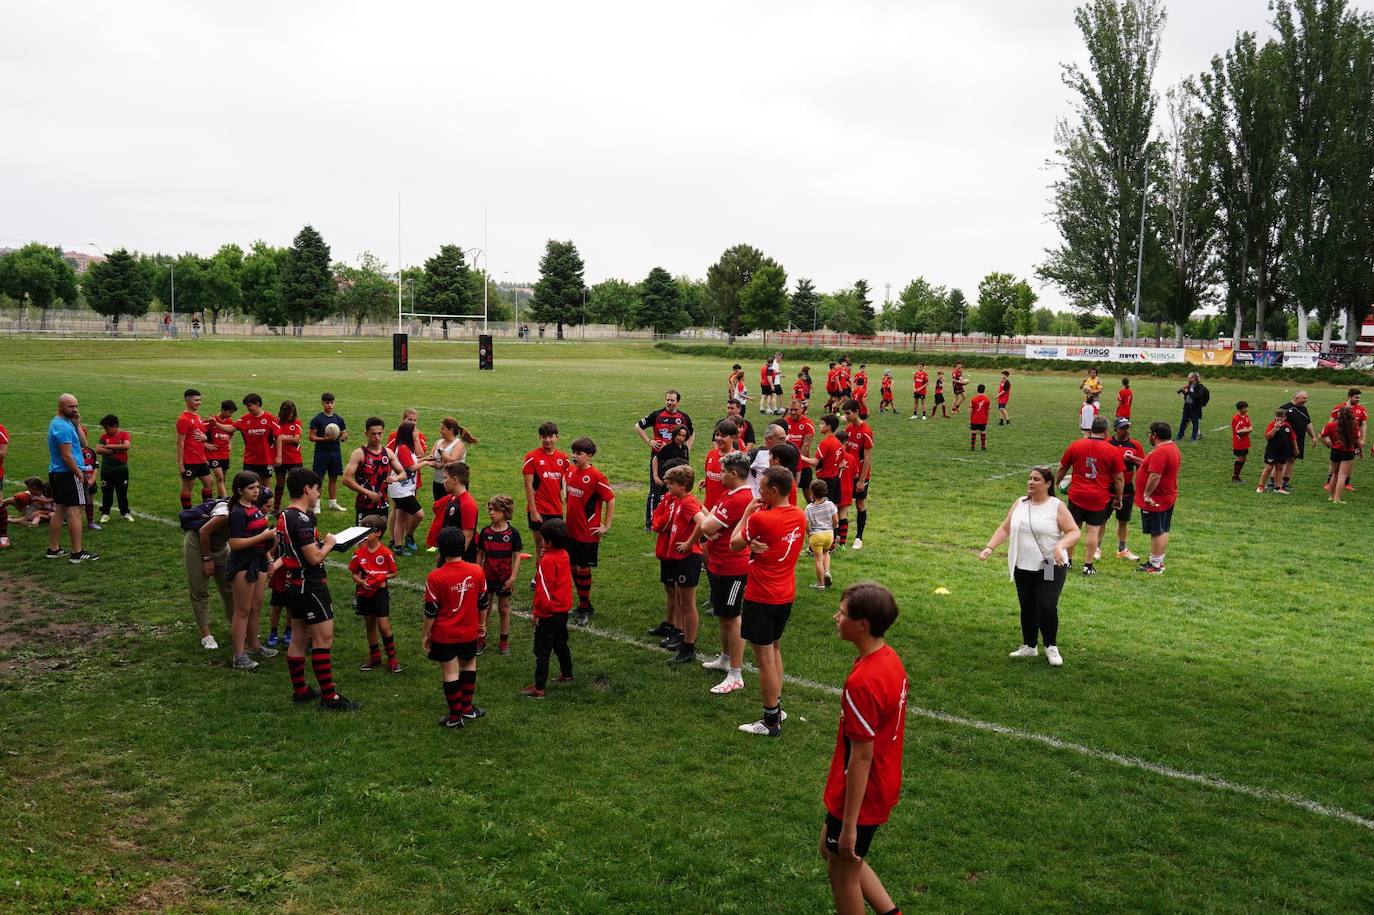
x=818 y=357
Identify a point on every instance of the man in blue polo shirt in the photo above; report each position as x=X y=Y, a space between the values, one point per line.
x=65 y=477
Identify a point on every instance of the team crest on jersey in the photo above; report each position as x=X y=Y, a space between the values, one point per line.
x=380 y=560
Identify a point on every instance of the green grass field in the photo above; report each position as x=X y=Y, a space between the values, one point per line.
x=138 y=772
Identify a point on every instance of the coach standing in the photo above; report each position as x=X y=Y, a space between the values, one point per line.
x=657 y=430
x=1301 y=421
x=66 y=477
x=1195 y=396
x=1158 y=475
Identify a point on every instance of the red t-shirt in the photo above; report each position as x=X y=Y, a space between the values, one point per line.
x=764 y=378
x=547 y=470
x=552 y=585
x=1361 y=414
x=192 y=451
x=872 y=710
x=860 y=443
x=798 y=431
x=772 y=573
x=712 y=475
x=1241 y=426
x=919 y=381
x=832 y=381
x=1003 y=392
x=799 y=389
x=451 y=595
x=119 y=438
x=680 y=524
x=291 y=454
x=1332 y=432
x=374 y=566
x=830 y=453
x=720 y=559
x=978 y=409
x=217 y=440
x=1164 y=460
x=259 y=434
x=1123 y=402
x=588 y=491
x=1095 y=463
x=887 y=387
x=421 y=448
x=663 y=514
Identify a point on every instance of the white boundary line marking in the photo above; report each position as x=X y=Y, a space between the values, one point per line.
x=1130 y=762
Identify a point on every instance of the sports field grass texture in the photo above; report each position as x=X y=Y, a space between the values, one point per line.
x=1207 y=746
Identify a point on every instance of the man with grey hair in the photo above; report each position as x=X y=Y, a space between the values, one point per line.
x=775 y=434
x=1301 y=421
x=1195 y=397
x=66 y=477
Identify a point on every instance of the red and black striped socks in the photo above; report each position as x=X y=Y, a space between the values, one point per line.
x=374 y=654
x=582 y=580
x=453 y=693
x=389 y=642
x=324 y=672
x=297 y=668
x=467 y=688
x=841 y=531
x=185 y=500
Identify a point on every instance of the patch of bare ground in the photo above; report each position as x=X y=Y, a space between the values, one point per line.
x=36 y=626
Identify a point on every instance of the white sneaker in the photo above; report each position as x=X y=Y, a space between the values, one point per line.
x=1127 y=554
x=104 y=519
x=209 y=643
x=759 y=729
x=1025 y=651
x=858 y=544
x=728 y=685
x=1052 y=653
x=720 y=662
x=129 y=517
x=335 y=506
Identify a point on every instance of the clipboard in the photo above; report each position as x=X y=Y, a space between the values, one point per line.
x=350 y=537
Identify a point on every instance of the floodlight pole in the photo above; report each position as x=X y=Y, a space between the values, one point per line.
x=1140 y=253
x=486 y=267
x=173 y=267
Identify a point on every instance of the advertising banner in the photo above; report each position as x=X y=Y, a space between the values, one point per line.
x=1122 y=354
x=1207 y=356
x=1266 y=359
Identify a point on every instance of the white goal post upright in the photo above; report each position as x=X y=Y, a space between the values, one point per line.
x=402 y=314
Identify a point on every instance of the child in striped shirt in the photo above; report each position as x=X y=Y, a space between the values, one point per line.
x=821 y=515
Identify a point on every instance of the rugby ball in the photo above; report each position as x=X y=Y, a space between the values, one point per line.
x=1064 y=484
x=331 y=431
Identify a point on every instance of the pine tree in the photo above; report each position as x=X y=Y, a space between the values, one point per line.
x=560 y=293
x=308 y=289
x=445 y=288
x=865 y=321
x=117 y=288
x=660 y=303
x=806 y=303
x=726 y=279
x=764 y=303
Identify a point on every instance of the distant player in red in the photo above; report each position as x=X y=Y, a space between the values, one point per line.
x=498 y=553
x=113 y=447
x=832 y=386
x=831 y=466
x=591 y=508
x=767 y=401
x=1004 y=398
x=372 y=566
x=886 y=387
x=259 y=430
x=920 y=381
x=774 y=533
x=859 y=454
x=219 y=432
x=865 y=778
x=192 y=463
x=956 y=378
x=1124 y=398
x=288 y=453
x=1352 y=400
x=1098 y=480
x=544 y=469
x=549 y=612
x=453 y=594
x=680 y=564
x=940 y=396
x=1342 y=436
x=1241 y=427
x=859 y=388
x=978 y=409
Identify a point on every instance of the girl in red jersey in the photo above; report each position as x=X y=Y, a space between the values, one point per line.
x=288 y=448
x=549 y=612
x=1342 y=436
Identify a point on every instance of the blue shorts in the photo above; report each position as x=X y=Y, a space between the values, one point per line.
x=1156 y=522
x=328 y=462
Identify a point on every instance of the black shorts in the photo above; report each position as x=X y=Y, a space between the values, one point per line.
x=1096 y=518
x=681 y=573
x=452 y=651
x=939 y=398
x=583 y=555
x=727 y=594
x=1157 y=522
x=360 y=513
x=861 y=489
x=1278 y=459
x=264 y=471
x=918 y=395
x=496 y=589
x=313 y=604
x=195 y=471
x=1338 y=456
x=804 y=484
x=64 y=488
x=1127 y=503
x=777 y=389
x=408 y=504
x=977 y=427
x=287 y=468
x=1240 y=453
x=378 y=604
x=862 y=840
x=328 y=462
x=535 y=525
x=279 y=598
x=763 y=624
x=224 y=464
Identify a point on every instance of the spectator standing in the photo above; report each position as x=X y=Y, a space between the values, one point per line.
x=1301 y=422
x=1158 y=493
x=66 y=479
x=1195 y=396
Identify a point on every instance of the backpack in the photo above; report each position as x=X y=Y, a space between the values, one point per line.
x=194 y=518
x=1203 y=395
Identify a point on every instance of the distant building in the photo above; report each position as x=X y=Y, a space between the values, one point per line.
x=81 y=262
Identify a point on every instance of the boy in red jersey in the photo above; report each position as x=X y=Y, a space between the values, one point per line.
x=800 y=389
x=1098 y=479
x=1158 y=494
x=453 y=594
x=680 y=570
x=860 y=390
x=1124 y=398
x=832 y=467
x=920 y=381
x=1241 y=427
x=723 y=439
x=259 y=430
x=940 y=396
x=1004 y=398
x=544 y=470
x=591 y=508
x=774 y=533
x=865 y=778
x=372 y=566
x=886 y=387
x=460 y=512
x=859 y=454
x=371 y=468
x=978 y=409
x=734 y=412
x=219 y=432
x=113 y=448
x=801 y=432
x=549 y=612
x=767 y=401
x=832 y=386
x=191 y=461
x=956 y=377
x=288 y=450
x=498 y=553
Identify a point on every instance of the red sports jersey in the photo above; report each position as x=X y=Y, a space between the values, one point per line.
x=956 y=378
x=192 y=451
x=830 y=453
x=1129 y=449
x=451 y=595
x=663 y=513
x=291 y=454
x=860 y=386
x=1361 y=414
x=259 y=435
x=978 y=409
x=1095 y=463
x=552 y=584
x=1123 y=402
x=1333 y=433
x=498 y=549
x=799 y=431
x=714 y=487
x=421 y=449
x=1241 y=427
x=872 y=710
x=217 y=440
x=799 y=389
x=772 y=573
x=373 y=566
x=119 y=438
x=860 y=443
x=588 y=492
x=764 y=378
x=680 y=524
x=720 y=559
x=1003 y=392
x=372 y=474
x=919 y=382
x=832 y=381
x=1164 y=460
x=887 y=387
x=546 y=470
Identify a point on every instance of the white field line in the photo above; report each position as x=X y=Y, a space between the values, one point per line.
x=1130 y=762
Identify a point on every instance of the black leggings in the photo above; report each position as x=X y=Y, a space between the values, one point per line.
x=1039 y=603
x=551 y=636
x=114 y=482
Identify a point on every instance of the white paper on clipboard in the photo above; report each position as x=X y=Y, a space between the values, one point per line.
x=350 y=537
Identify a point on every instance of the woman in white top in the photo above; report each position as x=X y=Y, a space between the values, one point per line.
x=1040 y=533
x=451 y=448
x=1086 y=414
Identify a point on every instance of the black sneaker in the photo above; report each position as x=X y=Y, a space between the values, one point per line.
x=1088 y=569
x=448 y=721
x=340 y=704
x=310 y=695
x=370 y=664
x=662 y=629
x=683 y=657
x=55 y=554
x=672 y=642
x=583 y=619
x=83 y=556
x=474 y=713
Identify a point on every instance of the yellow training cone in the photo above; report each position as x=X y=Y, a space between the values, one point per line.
x=941 y=590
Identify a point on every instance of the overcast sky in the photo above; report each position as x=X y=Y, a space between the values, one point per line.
x=881 y=140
